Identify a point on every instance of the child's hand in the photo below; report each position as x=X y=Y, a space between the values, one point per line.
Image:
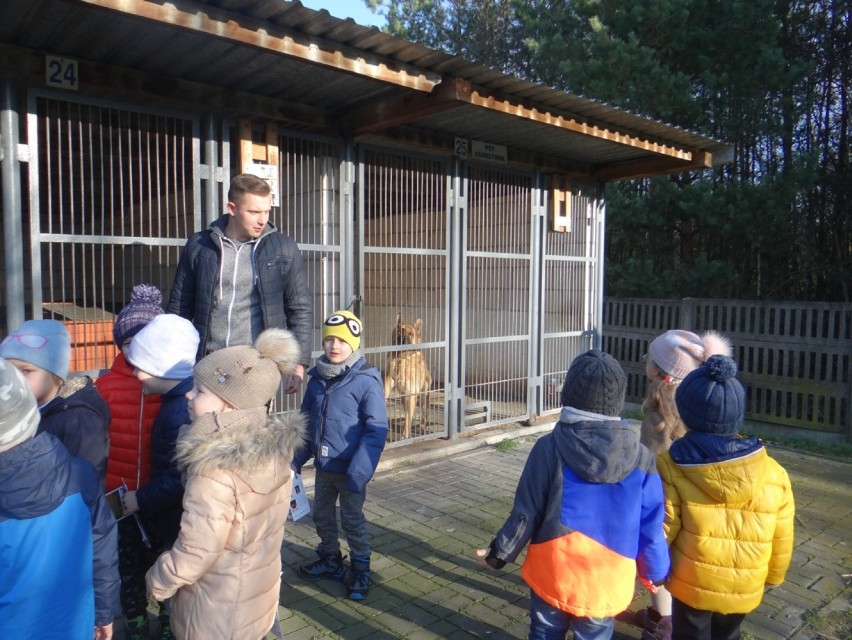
x=293 y=381
x=480 y=558
x=489 y=560
x=103 y=632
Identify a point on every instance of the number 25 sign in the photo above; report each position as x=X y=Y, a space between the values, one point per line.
x=61 y=73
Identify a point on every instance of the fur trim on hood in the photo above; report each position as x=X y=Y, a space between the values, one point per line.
x=72 y=385
x=239 y=440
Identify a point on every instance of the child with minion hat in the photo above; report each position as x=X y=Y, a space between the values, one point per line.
x=223 y=573
x=347 y=426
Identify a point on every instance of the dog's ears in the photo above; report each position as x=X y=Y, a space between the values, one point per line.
x=398 y=319
x=418 y=324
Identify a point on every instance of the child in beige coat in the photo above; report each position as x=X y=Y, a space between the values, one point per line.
x=223 y=573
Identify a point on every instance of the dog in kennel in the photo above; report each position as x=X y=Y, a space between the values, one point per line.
x=407 y=374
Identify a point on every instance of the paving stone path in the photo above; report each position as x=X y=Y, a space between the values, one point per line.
x=428 y=516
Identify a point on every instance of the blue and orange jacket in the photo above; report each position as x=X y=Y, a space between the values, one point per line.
x=590 y=505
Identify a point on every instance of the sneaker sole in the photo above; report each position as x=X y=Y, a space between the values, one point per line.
x=326 y=576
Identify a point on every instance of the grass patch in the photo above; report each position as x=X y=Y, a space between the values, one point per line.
x=834 y=624
x=839 y=450
x=507 y=445
x=402 y=464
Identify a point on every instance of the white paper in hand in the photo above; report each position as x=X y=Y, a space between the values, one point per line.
x=299 y=505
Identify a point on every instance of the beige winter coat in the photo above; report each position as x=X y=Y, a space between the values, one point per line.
x=224 y=570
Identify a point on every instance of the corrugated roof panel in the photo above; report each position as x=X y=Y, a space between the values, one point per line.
x=116 y=37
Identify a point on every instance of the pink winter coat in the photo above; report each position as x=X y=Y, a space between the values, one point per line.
x=224 y=570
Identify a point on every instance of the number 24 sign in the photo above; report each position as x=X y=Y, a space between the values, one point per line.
x=61 y=73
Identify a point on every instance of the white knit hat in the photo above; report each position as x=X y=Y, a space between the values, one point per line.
x=678 y=352
x=19 y=416
x=165 y=347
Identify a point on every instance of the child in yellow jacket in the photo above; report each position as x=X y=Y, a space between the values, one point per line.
x=729 y=509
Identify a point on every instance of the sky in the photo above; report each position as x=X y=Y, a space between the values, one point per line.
x=355 y=9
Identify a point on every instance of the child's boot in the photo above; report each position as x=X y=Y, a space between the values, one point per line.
x=359 y=578
x=326 y=566
x=654 y=626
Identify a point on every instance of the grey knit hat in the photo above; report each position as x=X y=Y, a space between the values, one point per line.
x=595 y=382
x=19 y=415
x=247 y=377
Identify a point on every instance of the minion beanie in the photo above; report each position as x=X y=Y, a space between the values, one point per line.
x=19 y=415
x=711 y=399
x=345 y=326
x=145 y=304
x=44 y=343
x=248 y=377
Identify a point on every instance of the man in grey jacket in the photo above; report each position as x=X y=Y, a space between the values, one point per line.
x=241 y=276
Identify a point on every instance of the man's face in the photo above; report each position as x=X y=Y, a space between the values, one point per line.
x=249 y=215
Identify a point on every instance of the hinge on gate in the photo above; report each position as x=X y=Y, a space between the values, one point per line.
x=205 y=174
x=22 y=153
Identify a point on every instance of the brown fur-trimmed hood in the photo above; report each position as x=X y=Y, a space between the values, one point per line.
x=240 y=441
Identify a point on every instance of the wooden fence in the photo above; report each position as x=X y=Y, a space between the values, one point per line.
x=794 y=357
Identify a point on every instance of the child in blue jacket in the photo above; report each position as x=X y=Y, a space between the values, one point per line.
x=590 y=505
x=59 y=569
x=344 y=404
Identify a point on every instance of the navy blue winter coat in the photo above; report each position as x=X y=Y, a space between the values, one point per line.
x=58 y=544
x=79 y=417
x=160 y=498
x=280 y=275
x=347 y=424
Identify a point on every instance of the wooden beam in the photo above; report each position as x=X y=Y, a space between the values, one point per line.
x=247 y=146
x=209 y=20
x=450 y=94
x=571 y=124
x=155 y=90
x=652 y=167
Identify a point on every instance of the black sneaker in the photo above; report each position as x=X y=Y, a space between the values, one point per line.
x=323 y=567
x=359 y=579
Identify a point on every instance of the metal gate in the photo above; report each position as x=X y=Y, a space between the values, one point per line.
x=571 y=287
x=113 y=197
x=464 y=256
x=404 y=279
x=498 y=284
x=315 y=212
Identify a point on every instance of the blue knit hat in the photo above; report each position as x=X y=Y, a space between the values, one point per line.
x=145 y=304
x=711 y=399
x=44 y=343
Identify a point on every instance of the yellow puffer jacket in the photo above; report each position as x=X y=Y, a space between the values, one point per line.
x=730 y=527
